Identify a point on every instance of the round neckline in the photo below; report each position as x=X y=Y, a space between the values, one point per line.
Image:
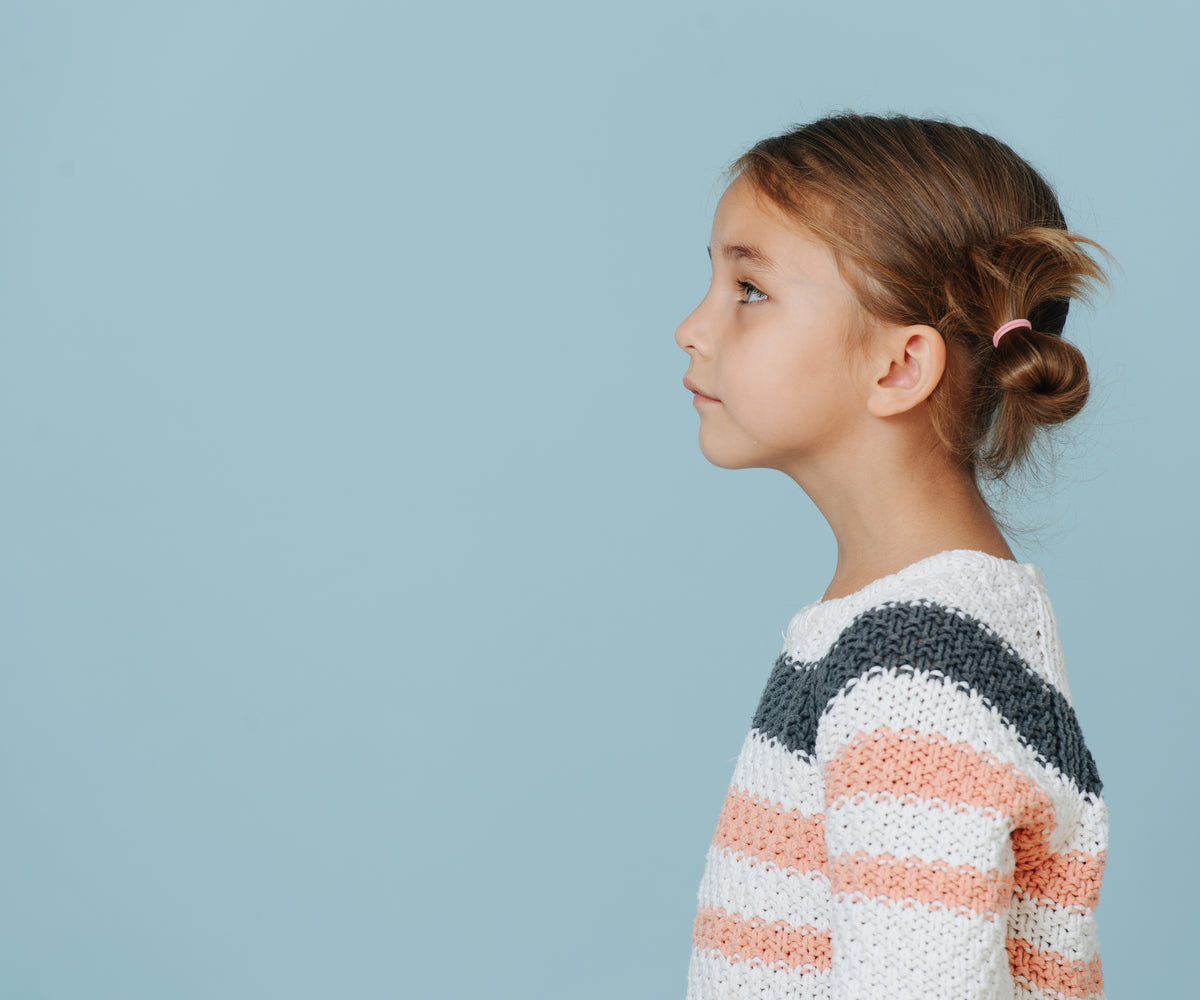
x=967 y=556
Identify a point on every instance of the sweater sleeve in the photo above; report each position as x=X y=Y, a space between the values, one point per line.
x=963 y=822
x=918 y=838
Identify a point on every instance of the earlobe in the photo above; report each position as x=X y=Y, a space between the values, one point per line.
x=912 y=360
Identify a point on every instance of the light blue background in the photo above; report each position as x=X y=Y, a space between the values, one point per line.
x=371 y=624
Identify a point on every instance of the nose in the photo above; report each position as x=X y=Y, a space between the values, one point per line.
x=690 y=333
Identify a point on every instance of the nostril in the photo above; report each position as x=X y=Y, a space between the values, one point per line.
x=685 y=334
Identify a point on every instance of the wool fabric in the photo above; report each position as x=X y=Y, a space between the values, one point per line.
x=914 y=814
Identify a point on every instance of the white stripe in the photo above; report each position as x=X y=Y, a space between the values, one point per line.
x=883 y=949
x=930 y=704
x=1070 y=932
x=766 y=769
x=735 y=884
x=713 y=977
x=925 y=830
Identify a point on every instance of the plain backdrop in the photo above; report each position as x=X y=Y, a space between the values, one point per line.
x=370 y=623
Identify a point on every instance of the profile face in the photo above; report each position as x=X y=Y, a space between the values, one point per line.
x=769 y=367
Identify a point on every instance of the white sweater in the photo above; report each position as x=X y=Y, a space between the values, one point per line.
x=914 y=813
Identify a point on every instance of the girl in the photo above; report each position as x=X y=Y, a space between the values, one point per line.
x=914 y=813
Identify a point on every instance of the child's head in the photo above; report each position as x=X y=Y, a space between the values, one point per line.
x=936 y=224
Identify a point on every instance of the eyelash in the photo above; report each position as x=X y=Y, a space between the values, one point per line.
x=747 y=288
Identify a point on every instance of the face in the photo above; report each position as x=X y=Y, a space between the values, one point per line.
x=770 y=372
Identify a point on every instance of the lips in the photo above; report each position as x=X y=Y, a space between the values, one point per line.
x=700 y=394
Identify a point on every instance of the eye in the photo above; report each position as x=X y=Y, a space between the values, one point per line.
x=750 y=293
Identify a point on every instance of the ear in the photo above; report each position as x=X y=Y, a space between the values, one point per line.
x=907 y=365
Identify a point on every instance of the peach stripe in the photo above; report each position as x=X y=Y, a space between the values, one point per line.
x=766 y=831
x=936 y=884
x=752 y=939
x=1051 y=972
x=928 y=766
x=1066 y=879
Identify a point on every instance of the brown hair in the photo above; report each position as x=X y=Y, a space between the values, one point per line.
x=937 y=224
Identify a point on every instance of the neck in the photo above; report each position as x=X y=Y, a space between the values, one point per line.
x=892 y=507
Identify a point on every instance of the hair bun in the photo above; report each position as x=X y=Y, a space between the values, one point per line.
x=1043 y=380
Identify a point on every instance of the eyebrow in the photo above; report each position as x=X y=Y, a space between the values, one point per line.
x=742 y=251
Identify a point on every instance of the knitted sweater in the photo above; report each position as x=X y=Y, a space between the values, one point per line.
x=914 y=813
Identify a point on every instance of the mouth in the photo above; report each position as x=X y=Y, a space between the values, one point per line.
x=700 y=396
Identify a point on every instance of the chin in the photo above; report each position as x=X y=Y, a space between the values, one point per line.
x=728 y=459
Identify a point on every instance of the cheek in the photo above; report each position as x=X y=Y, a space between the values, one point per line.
x=807 y=392
x=779 y=377
x=777 y=393
x=767 y=406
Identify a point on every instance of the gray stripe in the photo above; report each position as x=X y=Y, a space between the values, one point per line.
x=921 y=638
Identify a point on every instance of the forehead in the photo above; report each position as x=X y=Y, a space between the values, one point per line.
x=745 y=218
x=743 y=205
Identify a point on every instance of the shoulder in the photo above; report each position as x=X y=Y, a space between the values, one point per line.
x=954 y=593
x=961 y=645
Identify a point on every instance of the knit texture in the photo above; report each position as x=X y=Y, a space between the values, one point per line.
x=914 y=814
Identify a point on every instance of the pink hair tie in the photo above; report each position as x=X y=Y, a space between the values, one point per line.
x=1012 y=324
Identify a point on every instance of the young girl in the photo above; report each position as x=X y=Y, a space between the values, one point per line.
x=914 y=813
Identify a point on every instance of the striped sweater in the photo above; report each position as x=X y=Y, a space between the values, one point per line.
x=914 y=813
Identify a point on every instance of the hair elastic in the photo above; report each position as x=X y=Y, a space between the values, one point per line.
x=1012 y=324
